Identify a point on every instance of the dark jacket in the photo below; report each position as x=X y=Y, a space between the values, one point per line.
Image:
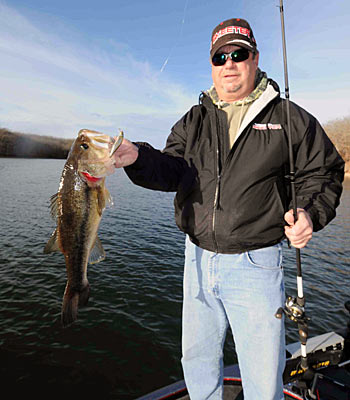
x=231 y=201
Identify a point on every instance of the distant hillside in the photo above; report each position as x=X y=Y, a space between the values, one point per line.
x=13 y=144
x=339 y=132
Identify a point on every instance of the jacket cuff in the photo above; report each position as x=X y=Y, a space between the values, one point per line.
x=314 y=215
x=311 y=210
x=140 y=161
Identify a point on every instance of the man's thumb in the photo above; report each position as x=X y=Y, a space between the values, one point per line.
x=289 y=217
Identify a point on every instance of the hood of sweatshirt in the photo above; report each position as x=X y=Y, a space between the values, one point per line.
x=261 y=82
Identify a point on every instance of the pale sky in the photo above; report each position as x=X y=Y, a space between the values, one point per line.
x=140 y=65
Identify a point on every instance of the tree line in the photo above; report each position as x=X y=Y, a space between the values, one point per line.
x=14 y=144
x=339 y=133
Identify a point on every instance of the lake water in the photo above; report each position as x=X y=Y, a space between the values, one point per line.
x=127 y=341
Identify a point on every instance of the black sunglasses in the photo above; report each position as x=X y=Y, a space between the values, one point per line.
x=239 y=55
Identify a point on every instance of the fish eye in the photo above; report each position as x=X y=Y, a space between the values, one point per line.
x=84 y=146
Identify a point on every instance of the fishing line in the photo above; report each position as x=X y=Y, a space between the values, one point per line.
x=178 y=38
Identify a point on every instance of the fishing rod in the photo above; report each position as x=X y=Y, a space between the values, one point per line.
x=294 y=308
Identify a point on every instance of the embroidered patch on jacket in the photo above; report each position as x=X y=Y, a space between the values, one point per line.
x=263 y=127
x=260 y=127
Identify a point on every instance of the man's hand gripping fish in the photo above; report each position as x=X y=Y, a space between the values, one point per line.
x=77 y=209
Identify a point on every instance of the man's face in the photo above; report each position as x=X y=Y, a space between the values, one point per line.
x=234 y=81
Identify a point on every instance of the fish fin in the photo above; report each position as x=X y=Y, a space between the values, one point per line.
x=117 y=143
x=52 y=244
x=54 y=206
x=84 y=296
x=103 y=199
x=97 y=253
x=109 y=198
x=72 y=299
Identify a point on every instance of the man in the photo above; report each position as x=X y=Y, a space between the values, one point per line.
x=227 y=159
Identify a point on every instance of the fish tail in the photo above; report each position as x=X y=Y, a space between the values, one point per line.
x=72 y=299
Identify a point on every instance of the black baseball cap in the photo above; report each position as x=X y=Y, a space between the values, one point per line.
x=235 y=31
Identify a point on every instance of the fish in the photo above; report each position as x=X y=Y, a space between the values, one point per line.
x=77 y=208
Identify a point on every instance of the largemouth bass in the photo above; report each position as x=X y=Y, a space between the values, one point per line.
x=77 y=208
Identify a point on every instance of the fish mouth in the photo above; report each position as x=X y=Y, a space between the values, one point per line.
x=90 y=178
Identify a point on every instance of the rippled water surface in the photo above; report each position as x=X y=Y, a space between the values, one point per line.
x=127 y=340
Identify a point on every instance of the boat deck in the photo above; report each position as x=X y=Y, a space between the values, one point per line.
x=230 y=393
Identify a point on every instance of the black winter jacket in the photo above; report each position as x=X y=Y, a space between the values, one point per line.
x=234 y=200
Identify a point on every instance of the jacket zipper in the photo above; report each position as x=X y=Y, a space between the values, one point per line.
x=214 y=212
x=217 y=188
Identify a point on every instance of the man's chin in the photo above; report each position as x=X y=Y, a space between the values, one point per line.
x=232 y=88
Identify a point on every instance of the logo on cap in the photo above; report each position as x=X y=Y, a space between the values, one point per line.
x=229 y=30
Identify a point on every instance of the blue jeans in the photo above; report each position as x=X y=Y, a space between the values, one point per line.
x=242 y=291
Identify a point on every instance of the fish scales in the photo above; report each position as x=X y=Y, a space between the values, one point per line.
x=77 y=234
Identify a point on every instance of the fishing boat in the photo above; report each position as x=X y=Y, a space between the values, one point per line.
x=327 y=376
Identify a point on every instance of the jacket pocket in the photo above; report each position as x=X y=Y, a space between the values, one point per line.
x=267 y=257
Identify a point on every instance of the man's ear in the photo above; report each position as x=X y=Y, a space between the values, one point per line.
x=256 y=59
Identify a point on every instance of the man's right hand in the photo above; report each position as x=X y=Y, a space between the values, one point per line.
x=126 y=154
